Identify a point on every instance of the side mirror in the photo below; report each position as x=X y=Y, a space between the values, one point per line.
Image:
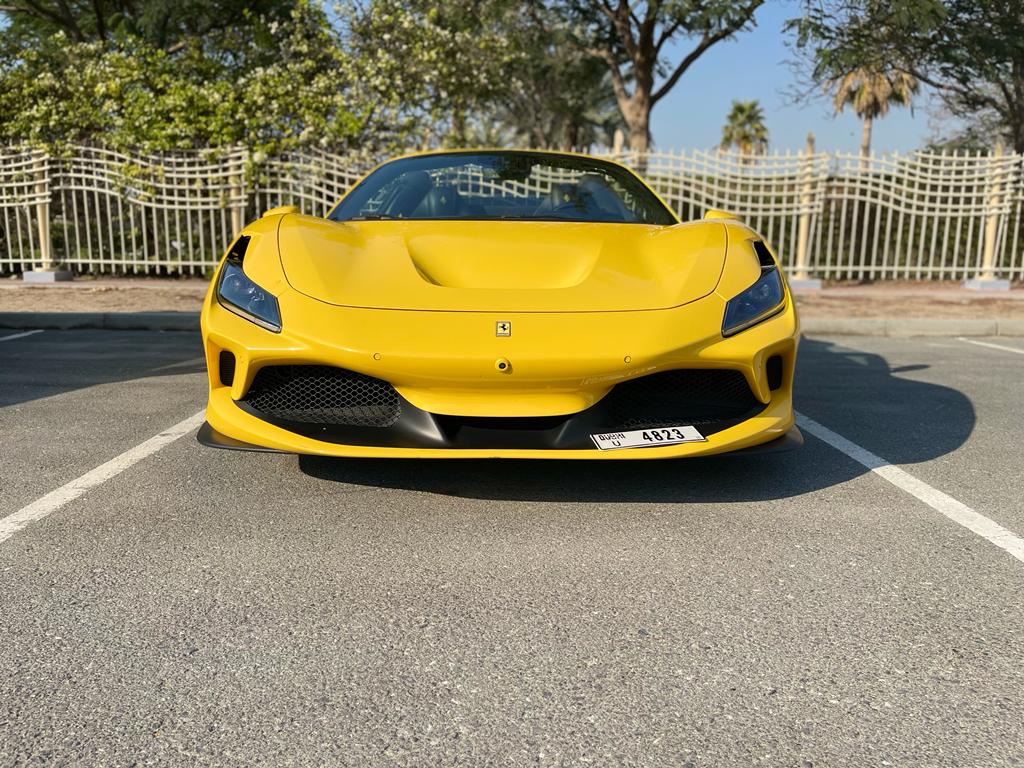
x=281 y=210
x=715 y=213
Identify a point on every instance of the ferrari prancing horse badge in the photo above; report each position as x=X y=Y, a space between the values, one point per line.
x=503 y=328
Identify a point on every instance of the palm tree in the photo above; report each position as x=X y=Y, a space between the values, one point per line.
x=744 y=129
x=870 y=92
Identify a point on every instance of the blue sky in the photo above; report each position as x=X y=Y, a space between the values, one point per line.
x=756 y=66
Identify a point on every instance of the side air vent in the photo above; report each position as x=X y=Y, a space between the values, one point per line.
x=227 y=368
x=238 y=248
x=764 y=256
x=773 y=368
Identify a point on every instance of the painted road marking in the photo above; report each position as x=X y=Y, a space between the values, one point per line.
x=992 y=346
x=956 y=511
x=54 y=500
x=19 y=335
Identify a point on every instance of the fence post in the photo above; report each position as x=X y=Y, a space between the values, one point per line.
x=800 y=277
x=47 y=272
x=237 y=195
x=618 y=140
x=43 y=216
x=986 y=279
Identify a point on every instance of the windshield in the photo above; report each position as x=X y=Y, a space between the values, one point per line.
x=522 y=186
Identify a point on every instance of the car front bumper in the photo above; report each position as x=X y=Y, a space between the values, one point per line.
x=444 y=365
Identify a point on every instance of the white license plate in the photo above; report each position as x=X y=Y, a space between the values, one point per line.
x=638 y=438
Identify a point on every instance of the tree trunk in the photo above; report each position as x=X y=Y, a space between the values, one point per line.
x=459 y=126
x=636 y=43
x=572 y=135
x=865 y=137
x=639 y=136
x=1017 y=132
x=638 y=120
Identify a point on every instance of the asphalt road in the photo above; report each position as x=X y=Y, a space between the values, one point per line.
x=215 y=608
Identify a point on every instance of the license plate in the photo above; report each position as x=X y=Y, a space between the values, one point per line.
x=639 y=438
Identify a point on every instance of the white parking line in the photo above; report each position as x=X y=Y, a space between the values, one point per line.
x=19 y=335
x=991 y=345
x=956 y=511
x=54 y=500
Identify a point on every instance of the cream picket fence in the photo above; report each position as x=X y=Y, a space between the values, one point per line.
x=832 y=215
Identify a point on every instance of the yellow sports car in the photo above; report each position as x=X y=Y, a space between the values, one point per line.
x=499 y=303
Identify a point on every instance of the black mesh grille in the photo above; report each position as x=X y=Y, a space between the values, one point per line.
x=321 y=394
x=680 y=397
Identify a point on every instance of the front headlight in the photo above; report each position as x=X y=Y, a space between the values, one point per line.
x=238 y=294
x=758 y=302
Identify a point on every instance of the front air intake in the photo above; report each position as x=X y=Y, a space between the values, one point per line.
x=323 y=395
x=671 y=398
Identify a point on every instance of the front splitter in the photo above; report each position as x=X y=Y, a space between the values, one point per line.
x=790 y=441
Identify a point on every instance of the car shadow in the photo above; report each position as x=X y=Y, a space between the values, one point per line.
x=853 y=392
x=54 y=362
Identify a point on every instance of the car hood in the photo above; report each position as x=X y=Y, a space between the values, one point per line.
x=501 y=266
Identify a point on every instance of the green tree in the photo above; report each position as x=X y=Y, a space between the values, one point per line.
x=167 y=24
x=485 y=72
x=130 y=93
x=444 y=62
x=970 y=51
x=631 y=38
x=744 y=129
x=870 y=92
x=556 y=94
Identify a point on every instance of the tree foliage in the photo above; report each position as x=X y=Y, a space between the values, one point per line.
x=870 y=91
x=445 y=62
x=556 y=94
x=744 y=129
x=485 y=72
x=376 y=74
x=166 y=24
x=268 y=82
x=970 y=51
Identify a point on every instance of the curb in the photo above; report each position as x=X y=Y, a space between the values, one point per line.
x=835 y=326
x=108 y=321
x=910 y=326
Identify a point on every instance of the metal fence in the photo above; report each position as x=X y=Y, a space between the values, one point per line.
x=831 y=215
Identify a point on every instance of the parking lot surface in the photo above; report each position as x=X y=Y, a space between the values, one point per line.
x=793 y=609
